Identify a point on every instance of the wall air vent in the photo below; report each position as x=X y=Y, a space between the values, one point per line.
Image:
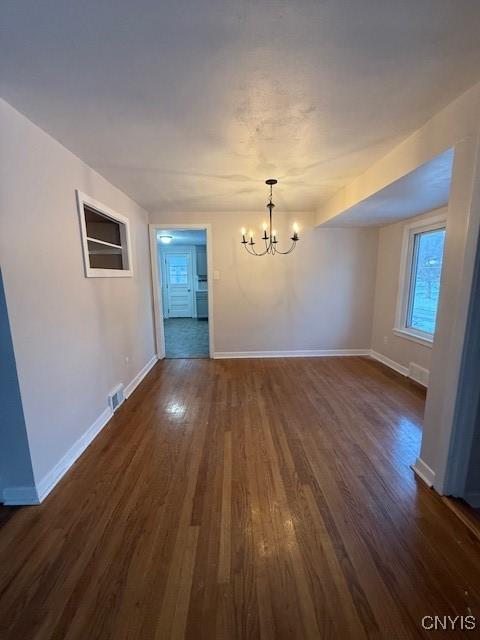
x=116 y=397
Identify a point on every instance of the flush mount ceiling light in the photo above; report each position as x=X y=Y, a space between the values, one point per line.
x=165 y=239
x=270 y=239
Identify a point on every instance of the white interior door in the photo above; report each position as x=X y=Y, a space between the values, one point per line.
x=179 y=284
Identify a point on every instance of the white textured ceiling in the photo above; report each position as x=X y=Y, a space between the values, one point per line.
x=190 y=105
x=424 y=189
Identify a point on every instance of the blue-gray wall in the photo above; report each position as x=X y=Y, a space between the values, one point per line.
x=15 y=463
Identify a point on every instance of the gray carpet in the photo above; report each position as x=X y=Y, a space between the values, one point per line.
x=186 y=338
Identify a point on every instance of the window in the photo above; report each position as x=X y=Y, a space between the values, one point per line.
x=420 y=279
x=425 y=280
x=105 y=240
x=178 y=269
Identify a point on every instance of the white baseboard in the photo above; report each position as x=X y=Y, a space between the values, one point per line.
x=317 y=353
x=473 y=499
x=419 y=374
x=424 y=472
x=389 y=363
x=131 y=386
x=48 y=482
x=16 y=496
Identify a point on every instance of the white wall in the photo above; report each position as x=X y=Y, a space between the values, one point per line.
x=397 y=348
x=71 y=334
x=320 y=297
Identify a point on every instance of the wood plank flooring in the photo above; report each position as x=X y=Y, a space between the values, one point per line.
x=243 y=499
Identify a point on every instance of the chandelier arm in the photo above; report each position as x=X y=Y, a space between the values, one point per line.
x=252 y=251
x=292 y=247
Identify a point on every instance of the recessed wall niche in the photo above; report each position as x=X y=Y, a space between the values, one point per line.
x=105 y=240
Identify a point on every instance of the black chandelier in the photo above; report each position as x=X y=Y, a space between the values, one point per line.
x=270 y=239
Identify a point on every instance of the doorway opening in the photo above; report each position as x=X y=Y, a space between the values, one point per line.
x=183 y=292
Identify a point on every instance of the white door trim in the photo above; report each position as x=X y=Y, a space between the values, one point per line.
x=156 y=282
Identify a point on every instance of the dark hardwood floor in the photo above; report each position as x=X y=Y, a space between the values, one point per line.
x=244 y=499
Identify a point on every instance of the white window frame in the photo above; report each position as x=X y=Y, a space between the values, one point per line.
x=405 y=279
x=127 y=256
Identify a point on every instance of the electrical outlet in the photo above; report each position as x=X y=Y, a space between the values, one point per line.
x=385 y=339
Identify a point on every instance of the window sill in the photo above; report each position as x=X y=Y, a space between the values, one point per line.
x=414 y=337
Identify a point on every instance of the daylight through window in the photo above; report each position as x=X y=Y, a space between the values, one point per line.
x=427 y=257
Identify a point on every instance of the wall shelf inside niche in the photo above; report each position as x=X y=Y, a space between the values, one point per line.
x=104 y=244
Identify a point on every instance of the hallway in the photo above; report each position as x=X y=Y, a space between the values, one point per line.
x=186 y=338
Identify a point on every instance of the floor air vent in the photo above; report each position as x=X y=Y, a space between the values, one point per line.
x=116 y=397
